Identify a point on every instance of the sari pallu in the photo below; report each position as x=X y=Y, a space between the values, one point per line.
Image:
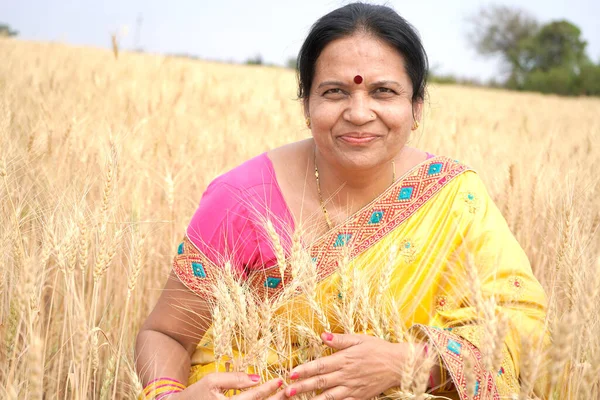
x=453 y=250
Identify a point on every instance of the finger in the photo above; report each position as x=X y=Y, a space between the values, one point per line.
x=335 y=393
x=320 y=366
x=318 y=382
x=340 y=341
x=261 y=392
x=230 y=380
x=278 y=396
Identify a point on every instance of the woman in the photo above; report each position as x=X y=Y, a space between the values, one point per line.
x=363 y=191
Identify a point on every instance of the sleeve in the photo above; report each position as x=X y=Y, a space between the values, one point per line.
x=218 y=233
x=490 y=306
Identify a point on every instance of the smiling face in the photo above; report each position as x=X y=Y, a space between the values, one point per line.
x=360 y=124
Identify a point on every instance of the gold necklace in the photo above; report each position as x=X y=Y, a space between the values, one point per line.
x=323 y=208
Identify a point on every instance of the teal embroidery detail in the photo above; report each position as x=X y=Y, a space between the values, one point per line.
x=339 y=295
x=180 y=248
x=471 y=201
x=501 y=371
x=376 y=217
x=406 y=193
x=342 y=239
x=408 y=250
x=454 y=346
x=198 y=270
x=314 y=260
x=476 y=389
x=435 y=168
x=272 y=282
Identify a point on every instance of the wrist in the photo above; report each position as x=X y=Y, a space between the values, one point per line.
x=162 y=389
x=397 y=358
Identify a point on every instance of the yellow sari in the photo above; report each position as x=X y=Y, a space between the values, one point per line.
x=449 y=241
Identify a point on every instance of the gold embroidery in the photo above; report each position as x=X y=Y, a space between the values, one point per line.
x=471 y=200
x=442 y=303
x=408 y=251
x=515 y=286
x=453 y=350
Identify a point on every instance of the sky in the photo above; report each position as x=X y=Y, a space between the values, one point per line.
x=235 y=30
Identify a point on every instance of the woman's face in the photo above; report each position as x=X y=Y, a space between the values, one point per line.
x=360 y=125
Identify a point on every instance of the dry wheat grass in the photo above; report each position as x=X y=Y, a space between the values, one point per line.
x=103 y=161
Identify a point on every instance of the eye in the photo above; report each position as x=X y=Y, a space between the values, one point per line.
x=384 y=90
x=334 y=91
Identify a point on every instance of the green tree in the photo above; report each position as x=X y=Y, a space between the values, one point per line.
x=292 y=63
x=5 y=30
x=502 y=30
x=556 y=45
x=589 y=80
x=256 y=60
x=550 y=58
x=557 y=80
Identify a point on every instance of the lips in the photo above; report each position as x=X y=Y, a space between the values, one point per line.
x=358 y=138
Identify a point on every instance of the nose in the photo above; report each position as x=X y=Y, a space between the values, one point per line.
x=359 y=110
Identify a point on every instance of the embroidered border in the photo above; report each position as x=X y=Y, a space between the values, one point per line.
x=399 y=202
x=194 y=269
x=506 y=381
x=452 y=350
x=371 y=224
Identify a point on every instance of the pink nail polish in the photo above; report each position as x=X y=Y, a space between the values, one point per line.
x=329 y=336
x=255 y=378
x=292 y=392
x=294 y=375
x=280 y=383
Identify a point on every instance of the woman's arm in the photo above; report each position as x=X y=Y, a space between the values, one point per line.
x=171 y=333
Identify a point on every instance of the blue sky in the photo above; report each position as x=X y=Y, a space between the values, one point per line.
x=236 y=30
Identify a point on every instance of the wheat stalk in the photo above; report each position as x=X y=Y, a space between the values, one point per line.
x=278 y=249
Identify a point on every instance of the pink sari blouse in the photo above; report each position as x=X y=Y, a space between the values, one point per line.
x=230 y=222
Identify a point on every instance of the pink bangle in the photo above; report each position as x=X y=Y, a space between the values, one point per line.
x=161 y=388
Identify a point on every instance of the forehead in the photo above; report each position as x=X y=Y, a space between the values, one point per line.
x=360 y=54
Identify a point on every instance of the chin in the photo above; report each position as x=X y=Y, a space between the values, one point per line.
x=355 y=160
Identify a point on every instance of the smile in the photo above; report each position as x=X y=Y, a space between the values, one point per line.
x=358 y=139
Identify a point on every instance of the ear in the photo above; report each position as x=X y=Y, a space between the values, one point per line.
x=418 y=110
x=305 y=107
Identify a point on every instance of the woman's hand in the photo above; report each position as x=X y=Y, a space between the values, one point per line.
x=362 y=368
x=213 y=387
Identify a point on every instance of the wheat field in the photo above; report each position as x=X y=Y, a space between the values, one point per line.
x=103 y=161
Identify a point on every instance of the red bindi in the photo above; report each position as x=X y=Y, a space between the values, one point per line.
x=358 y=79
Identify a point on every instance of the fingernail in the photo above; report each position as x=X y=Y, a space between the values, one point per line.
x=329 y=336
x=255 y=378
x=292 y=392
x=294 y=375
x=280 y=383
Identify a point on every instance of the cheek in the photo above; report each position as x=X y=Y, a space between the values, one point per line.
x=397 y=119
x=324 y=114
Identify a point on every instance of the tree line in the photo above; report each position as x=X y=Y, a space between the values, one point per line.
x=547 y=58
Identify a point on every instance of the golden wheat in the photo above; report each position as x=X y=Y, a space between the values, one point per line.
x=95 y=149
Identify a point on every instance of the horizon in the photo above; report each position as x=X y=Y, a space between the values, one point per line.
x=242 y=35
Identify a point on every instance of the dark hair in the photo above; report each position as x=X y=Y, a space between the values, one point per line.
x=380 y=21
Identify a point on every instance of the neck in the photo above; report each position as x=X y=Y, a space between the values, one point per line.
x=351 y=189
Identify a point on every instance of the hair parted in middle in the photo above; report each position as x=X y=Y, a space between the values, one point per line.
x=380 y=21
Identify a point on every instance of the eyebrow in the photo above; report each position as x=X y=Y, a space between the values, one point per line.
x=331 y=83
x=385 y=82
x=340 y=83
